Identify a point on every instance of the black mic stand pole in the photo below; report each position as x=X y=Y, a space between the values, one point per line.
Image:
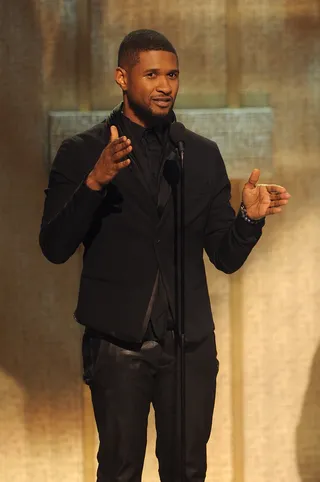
x=180 y=307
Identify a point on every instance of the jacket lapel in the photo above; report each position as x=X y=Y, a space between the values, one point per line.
x=132 y=181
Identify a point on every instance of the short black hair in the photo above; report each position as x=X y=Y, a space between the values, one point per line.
x=141 y=41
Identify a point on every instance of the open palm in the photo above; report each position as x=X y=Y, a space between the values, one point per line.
x=261 y=200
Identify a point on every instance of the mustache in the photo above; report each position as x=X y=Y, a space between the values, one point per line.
x=162 y=97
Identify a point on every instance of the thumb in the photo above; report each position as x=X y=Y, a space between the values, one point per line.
x=114 y=134
x=253 y=179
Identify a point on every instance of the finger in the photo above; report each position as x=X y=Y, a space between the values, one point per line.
x=275 y=188
x=273 y=211
x=114 y=134
x=276 y=196
x=117 y=145
x=122 y=164
x=118 y=156
x=120 y=146
x=253 y=179
x=116 y=141
x=281 y=202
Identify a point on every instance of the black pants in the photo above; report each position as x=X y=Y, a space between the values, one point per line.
x=125 y=381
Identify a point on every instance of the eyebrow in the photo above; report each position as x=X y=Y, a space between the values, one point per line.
x=156 y=71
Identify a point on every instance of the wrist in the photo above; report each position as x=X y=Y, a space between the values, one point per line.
x=247 y=218
x=92 y=182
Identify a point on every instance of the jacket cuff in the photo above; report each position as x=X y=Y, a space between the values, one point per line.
x=247 y=231
x=87 y=198
x=91 y=192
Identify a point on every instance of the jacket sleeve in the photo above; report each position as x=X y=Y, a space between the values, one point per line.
x=69 y=205
x=229 y=239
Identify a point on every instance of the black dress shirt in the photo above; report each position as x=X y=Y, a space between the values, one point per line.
x=149 y=149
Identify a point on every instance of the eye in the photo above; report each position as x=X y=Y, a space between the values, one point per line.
x=173 y=75
x=151 y=75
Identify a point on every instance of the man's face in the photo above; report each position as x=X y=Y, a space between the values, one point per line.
x=151 y=86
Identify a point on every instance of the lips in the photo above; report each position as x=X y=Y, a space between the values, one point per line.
x=162 y=101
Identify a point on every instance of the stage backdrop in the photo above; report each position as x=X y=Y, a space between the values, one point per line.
x=60 y=55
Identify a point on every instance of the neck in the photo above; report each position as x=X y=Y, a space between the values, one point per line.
x=133 y=116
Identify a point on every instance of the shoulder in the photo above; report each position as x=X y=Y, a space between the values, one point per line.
x=95 y=136
x=81 y=151
x=205 y=150
x=198 y=141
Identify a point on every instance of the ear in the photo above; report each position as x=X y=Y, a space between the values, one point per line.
x=121 y=78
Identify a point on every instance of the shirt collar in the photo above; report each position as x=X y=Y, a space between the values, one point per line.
x=138 y=131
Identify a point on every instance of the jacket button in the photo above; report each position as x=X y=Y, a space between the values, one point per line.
x=158 y=241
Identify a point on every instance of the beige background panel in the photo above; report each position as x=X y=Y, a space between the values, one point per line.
x=244 y=136
x=281 y=339
x=219 y=448
x=195 y=28
x=281 y=310
x=12 y=422
x=57 y=24
x=40 y=404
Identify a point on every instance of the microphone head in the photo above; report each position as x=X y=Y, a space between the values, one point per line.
x=177 y=133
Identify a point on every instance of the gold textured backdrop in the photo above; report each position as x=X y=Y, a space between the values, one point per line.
x=45 y=65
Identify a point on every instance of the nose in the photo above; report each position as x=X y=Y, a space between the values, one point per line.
x=164 y=86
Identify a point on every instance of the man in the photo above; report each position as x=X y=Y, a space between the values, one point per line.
x=110 y=189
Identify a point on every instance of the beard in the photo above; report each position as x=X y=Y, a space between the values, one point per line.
x=149 y=117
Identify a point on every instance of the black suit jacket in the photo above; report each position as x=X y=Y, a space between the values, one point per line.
x=125 y=242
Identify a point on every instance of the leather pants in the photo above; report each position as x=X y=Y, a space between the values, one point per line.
x=125 y=381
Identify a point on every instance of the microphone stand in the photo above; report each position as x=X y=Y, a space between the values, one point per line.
x=180 y=306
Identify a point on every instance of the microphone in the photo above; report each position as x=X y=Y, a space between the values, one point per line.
x=177 y=135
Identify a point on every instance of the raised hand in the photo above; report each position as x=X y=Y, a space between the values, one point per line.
x=261 y=200
x=111 y=161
